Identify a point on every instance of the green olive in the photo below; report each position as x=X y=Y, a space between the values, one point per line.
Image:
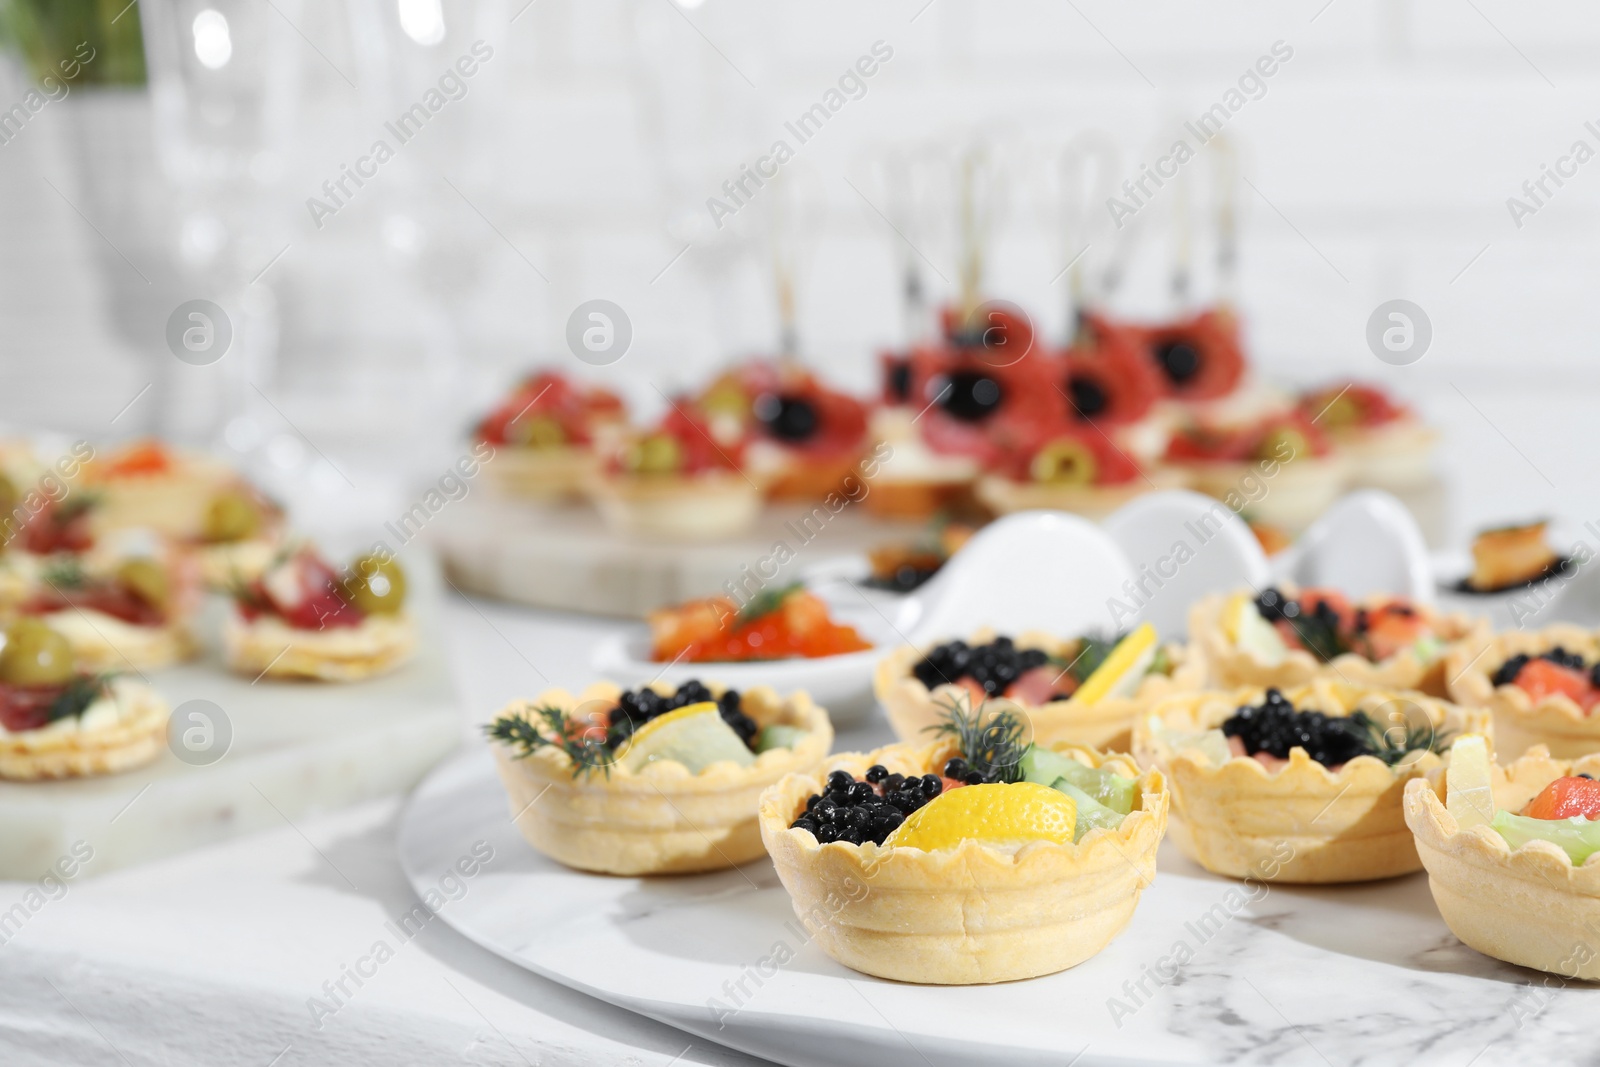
x=379 y=585
x=656 y=454
x=1284 y=444
x=537 y=431
x=233 y=516
x=9 y=497
x=1064 y=463
x=147 y=579
x=34 y=654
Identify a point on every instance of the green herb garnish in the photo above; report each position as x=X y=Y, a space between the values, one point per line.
x=765 y=603
x=76 y=697
x=551 y=731
x=64 y=572
x=1418 y=737
x=1320 y=636
x=991 y=740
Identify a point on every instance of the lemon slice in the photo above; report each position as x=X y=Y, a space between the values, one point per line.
x=1467 y=793
x=693 y=735
x=1246 y=628
x=1120 y=673
x=1006 y=815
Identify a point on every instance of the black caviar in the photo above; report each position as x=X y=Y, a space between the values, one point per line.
x=994 y=666
x=1507 y=672
x=851 y=810
x=637 y=707
x=1275 y=727
x=1317 y=629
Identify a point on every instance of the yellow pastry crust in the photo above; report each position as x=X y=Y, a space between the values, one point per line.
x=1396 y=455
x=969 y=915
x=543 y=473
x=173 y=502
x=1107 y=724
x=1519 y=722
x=1302 y=822
x=269 y=647
x=1230 y=666
x=661 y=819
x=114 y=734
x=1297 y=493
x=1004 y=495
x=1530 y=906
x=702 y=507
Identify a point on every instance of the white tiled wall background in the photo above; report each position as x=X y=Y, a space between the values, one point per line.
x=1378 y=165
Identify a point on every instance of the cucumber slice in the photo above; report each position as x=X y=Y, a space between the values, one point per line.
x=1045 y=767
x=1577 y=836
x=778 y=736
x=1091 y=813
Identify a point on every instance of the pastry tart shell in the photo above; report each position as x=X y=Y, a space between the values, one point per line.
x=134 y=739
x=226 y=565
x=702 y=507
x=543 y=473
x=1296 y=494
x=1301 y=823
x=1107 y=724
x=173 y=502
x=268 y=647
x=1004 y=495
x=662 y=819
x=1398 y=455
x=1231 y=666
x=1556 y=722
x=969 y=915
x=1530 y=906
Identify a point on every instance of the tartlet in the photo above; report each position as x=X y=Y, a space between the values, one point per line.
x=149 y=484
x=913 y=709
x=1522 y=719
x=1222 y=637
x=544 y=440
x=1300 y=821
x=677 y=483
x=301 y=620
x=969 y=915
x=1287 y=454
x=1076 y=470
x=663 y=819
x=118 y=613
x=1532 y=905
x=1386 y=445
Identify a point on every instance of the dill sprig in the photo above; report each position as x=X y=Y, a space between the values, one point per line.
x=1418 y=737
x=550 y=730
x=64 y=572
x=991 y=739
x=75 y=698
x=765 y=603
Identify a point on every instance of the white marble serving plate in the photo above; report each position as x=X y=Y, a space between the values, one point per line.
x=1361 y=974
x=297 y=748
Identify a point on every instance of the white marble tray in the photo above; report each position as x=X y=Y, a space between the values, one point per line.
x=296 y=748
x=1363 y=974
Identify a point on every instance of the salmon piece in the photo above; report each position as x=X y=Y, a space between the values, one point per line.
x=1038 y=686
x=1565 y=798
x=1393 y=628
x=1540 y=678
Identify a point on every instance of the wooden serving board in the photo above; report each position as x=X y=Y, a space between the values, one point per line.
x=296 y=748
x=562 y=556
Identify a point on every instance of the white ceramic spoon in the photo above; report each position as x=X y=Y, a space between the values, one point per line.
x=1184 y=546
x=1366 y=543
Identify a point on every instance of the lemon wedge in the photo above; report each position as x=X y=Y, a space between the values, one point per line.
x=693 y=735
x=1245 y=627
x=1468 y=795
x=1006 y=815
x=1120 y=673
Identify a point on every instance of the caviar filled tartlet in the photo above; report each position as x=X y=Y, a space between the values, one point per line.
x=1508 y=855
x=1286 y=452
x=653 y=780
x=980 y=858
x=678 y=482
x=1386 y=444
x=1067 y=469
x=782 y=623
x=1083 y=690
x=803 y=437
x=1286 y=636
x=118 y=612
x=1302 y=785
x=546 y=437
x=1541 y=687
x=151 y=485
x=242 y=533
x=59 y=722
x=1510 y=557
x=302 y=619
